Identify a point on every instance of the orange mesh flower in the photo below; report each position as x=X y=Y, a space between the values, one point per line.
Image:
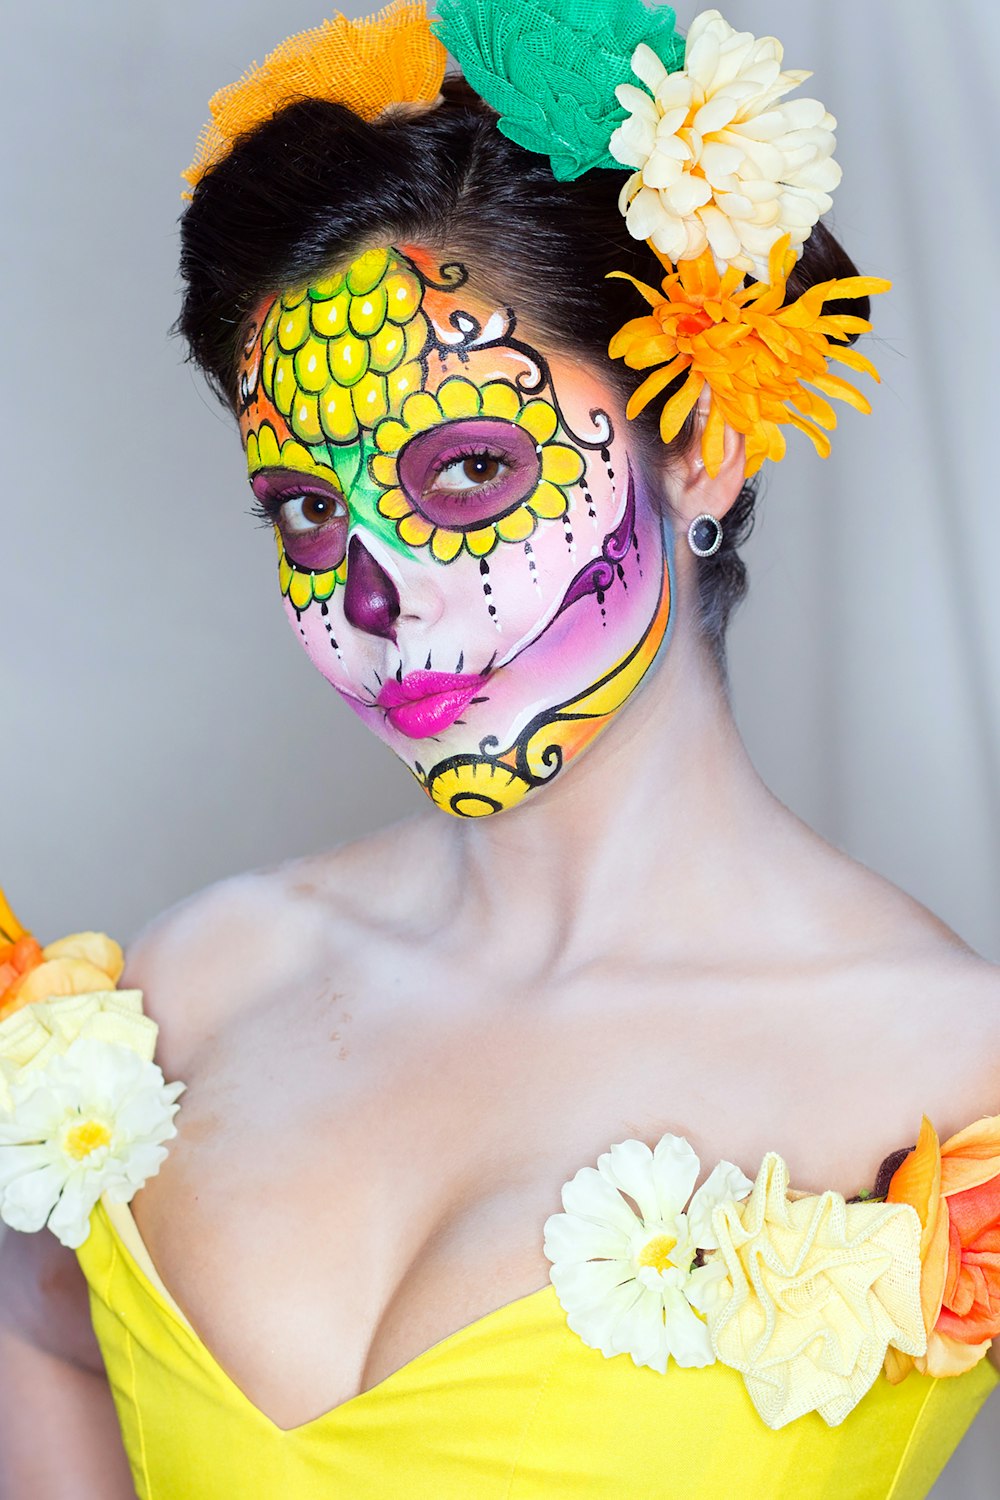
x=755 y=354
x=391 y=57
x=955 y=1189
x=76 y=965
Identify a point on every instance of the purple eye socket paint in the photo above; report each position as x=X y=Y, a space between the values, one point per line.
x=505 y=451
x=311 y=517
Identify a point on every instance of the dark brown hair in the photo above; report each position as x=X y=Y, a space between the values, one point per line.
x=311 y=187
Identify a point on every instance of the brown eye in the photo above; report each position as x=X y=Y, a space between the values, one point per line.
x=482 y=468
x=466 y=473
x=317 y=508
x=302 y=513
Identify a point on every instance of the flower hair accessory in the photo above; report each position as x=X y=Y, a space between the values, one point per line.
x=721 y=160
x=550 y=68
x=729 y=179
x=753 y=351
x=390 y=58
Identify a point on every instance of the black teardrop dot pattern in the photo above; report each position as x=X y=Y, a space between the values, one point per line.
x=484 y=569
x=532 y=565
x=324 y=610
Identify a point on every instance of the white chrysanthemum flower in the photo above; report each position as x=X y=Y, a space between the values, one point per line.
x=721 y=161
x=92 y=1121
x=627 y=1280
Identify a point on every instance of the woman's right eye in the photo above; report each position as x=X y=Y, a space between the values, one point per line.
x=300 y=514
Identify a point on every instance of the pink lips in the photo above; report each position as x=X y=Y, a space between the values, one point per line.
x=424 y=703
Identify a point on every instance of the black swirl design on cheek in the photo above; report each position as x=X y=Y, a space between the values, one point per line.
x=597 y=576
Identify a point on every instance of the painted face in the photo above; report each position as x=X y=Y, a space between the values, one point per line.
x=464 y=547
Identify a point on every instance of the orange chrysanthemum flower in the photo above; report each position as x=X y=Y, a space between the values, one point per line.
x=755 y=354
x=388 y=58
x=955 y=1189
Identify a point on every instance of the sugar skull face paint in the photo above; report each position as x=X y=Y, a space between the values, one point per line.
x=464 y=547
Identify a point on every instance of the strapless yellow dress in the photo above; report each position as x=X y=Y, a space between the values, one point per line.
x=513 y=1407
x=754 y=1341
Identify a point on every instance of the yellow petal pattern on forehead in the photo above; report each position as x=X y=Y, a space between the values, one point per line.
x=388 y=58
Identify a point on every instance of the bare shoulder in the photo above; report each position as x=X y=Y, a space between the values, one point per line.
x=965 y=994
x=942 y=1006
x=239 y=942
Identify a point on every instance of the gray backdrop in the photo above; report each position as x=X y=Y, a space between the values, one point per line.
x=161 y=727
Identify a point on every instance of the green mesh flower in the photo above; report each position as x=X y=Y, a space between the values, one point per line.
x=550 y=68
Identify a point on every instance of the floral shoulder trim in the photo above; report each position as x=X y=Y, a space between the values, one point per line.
x=809 y=1296
x=84 y=1110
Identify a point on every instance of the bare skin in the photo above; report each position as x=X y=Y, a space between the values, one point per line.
x=397 y=1052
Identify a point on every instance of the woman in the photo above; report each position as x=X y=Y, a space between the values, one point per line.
x=396 y=1054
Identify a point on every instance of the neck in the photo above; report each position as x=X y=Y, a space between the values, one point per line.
x=661 y=840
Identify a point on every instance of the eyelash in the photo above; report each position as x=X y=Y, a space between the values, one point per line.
x=266 y=511
x=464 y=453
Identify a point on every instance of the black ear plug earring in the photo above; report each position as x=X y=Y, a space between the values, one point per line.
x=704 y=535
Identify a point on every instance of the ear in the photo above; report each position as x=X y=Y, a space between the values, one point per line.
x=693 y=490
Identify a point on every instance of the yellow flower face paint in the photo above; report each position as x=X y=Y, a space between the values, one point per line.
x=464 y=546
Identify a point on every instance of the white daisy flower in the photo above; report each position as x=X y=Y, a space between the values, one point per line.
x=721 y=162
x=628 y=1277
x=92 y=1121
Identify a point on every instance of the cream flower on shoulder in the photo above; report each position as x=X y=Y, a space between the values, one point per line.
x=720 y=160
x=35 y=1034
x=625 y=1252
x=816 y=1290
x=92 y=1121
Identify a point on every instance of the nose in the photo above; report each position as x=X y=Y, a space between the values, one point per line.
x=371 y=601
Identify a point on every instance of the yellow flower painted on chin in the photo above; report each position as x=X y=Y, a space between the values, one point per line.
x=818 y=1289
x=455 y=400
x=299 y=585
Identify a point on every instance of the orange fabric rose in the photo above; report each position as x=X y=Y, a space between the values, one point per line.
x=955 y=1189
x=75 y=965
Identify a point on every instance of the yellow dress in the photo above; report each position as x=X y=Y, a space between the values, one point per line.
x=518 y=1405
x=513 y=1407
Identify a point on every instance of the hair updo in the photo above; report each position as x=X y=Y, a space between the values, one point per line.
x=310 y=188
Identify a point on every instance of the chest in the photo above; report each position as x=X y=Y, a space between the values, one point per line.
x=353 y=1181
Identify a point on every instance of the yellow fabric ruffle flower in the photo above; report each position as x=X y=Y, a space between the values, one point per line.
x=299 y=585
x=457 y=399
x=71 y=966
x=756 y=355
x=818 y=1289
x=32 y=1036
